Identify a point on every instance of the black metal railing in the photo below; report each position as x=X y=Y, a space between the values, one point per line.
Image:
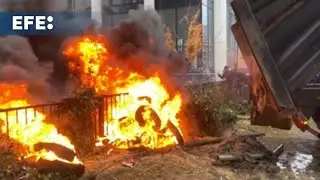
x=108 y=110
x=23 y=116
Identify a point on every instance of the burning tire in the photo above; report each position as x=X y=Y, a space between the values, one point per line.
x=155 y=117
x=176 y=132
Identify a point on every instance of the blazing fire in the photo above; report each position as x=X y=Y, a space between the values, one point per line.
x=27 y=126
x=143 y=118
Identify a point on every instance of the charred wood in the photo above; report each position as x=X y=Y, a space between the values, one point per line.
x=229 y=157
x=175 y=132
x=198 y=143
x=204 y=142
x=250 y=157
x=46 y=166
x=59 y=150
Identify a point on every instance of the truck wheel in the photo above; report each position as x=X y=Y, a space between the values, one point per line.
x=316 y=118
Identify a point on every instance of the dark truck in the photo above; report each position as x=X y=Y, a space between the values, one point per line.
x=280 y=42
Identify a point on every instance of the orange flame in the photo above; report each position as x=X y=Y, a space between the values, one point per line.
x=27 y=126
x=90 y=58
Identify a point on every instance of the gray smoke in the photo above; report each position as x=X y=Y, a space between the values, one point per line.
x=32 y=5
x=18 y=64
x=151 y=21
x=143 y=34
x=35 y=60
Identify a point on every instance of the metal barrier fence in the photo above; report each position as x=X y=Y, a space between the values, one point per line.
x=22 y=116
x=109 y=108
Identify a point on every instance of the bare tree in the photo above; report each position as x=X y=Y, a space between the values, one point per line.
x=193 y=44
x=169 y=40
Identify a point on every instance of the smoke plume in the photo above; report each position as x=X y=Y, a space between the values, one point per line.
x=140 y=42
x=151 y=22
x=35 y=60
x=18 y=63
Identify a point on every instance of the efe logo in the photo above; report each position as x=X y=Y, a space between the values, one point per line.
x=38 y=22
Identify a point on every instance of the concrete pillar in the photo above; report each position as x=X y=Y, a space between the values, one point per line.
x=208 y=33
x=220 y=35
x=96 y=11
x=149 y=4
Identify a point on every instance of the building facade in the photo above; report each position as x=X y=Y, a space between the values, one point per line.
x=114 y=11
x=219 y=45
x=176 y=15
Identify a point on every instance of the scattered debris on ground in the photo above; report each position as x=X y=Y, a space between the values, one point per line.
x=244 y=148
x=241 y=155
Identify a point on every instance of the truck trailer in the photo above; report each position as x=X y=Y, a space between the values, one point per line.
x=280 y=43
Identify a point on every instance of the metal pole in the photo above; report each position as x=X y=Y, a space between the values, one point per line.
x=220 y=35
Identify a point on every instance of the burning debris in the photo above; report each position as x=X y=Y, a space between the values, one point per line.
x=41 y=140
x=129 y=58
x=133 y=59
x=143 y=119
x=24 y=82
x=20 y=64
